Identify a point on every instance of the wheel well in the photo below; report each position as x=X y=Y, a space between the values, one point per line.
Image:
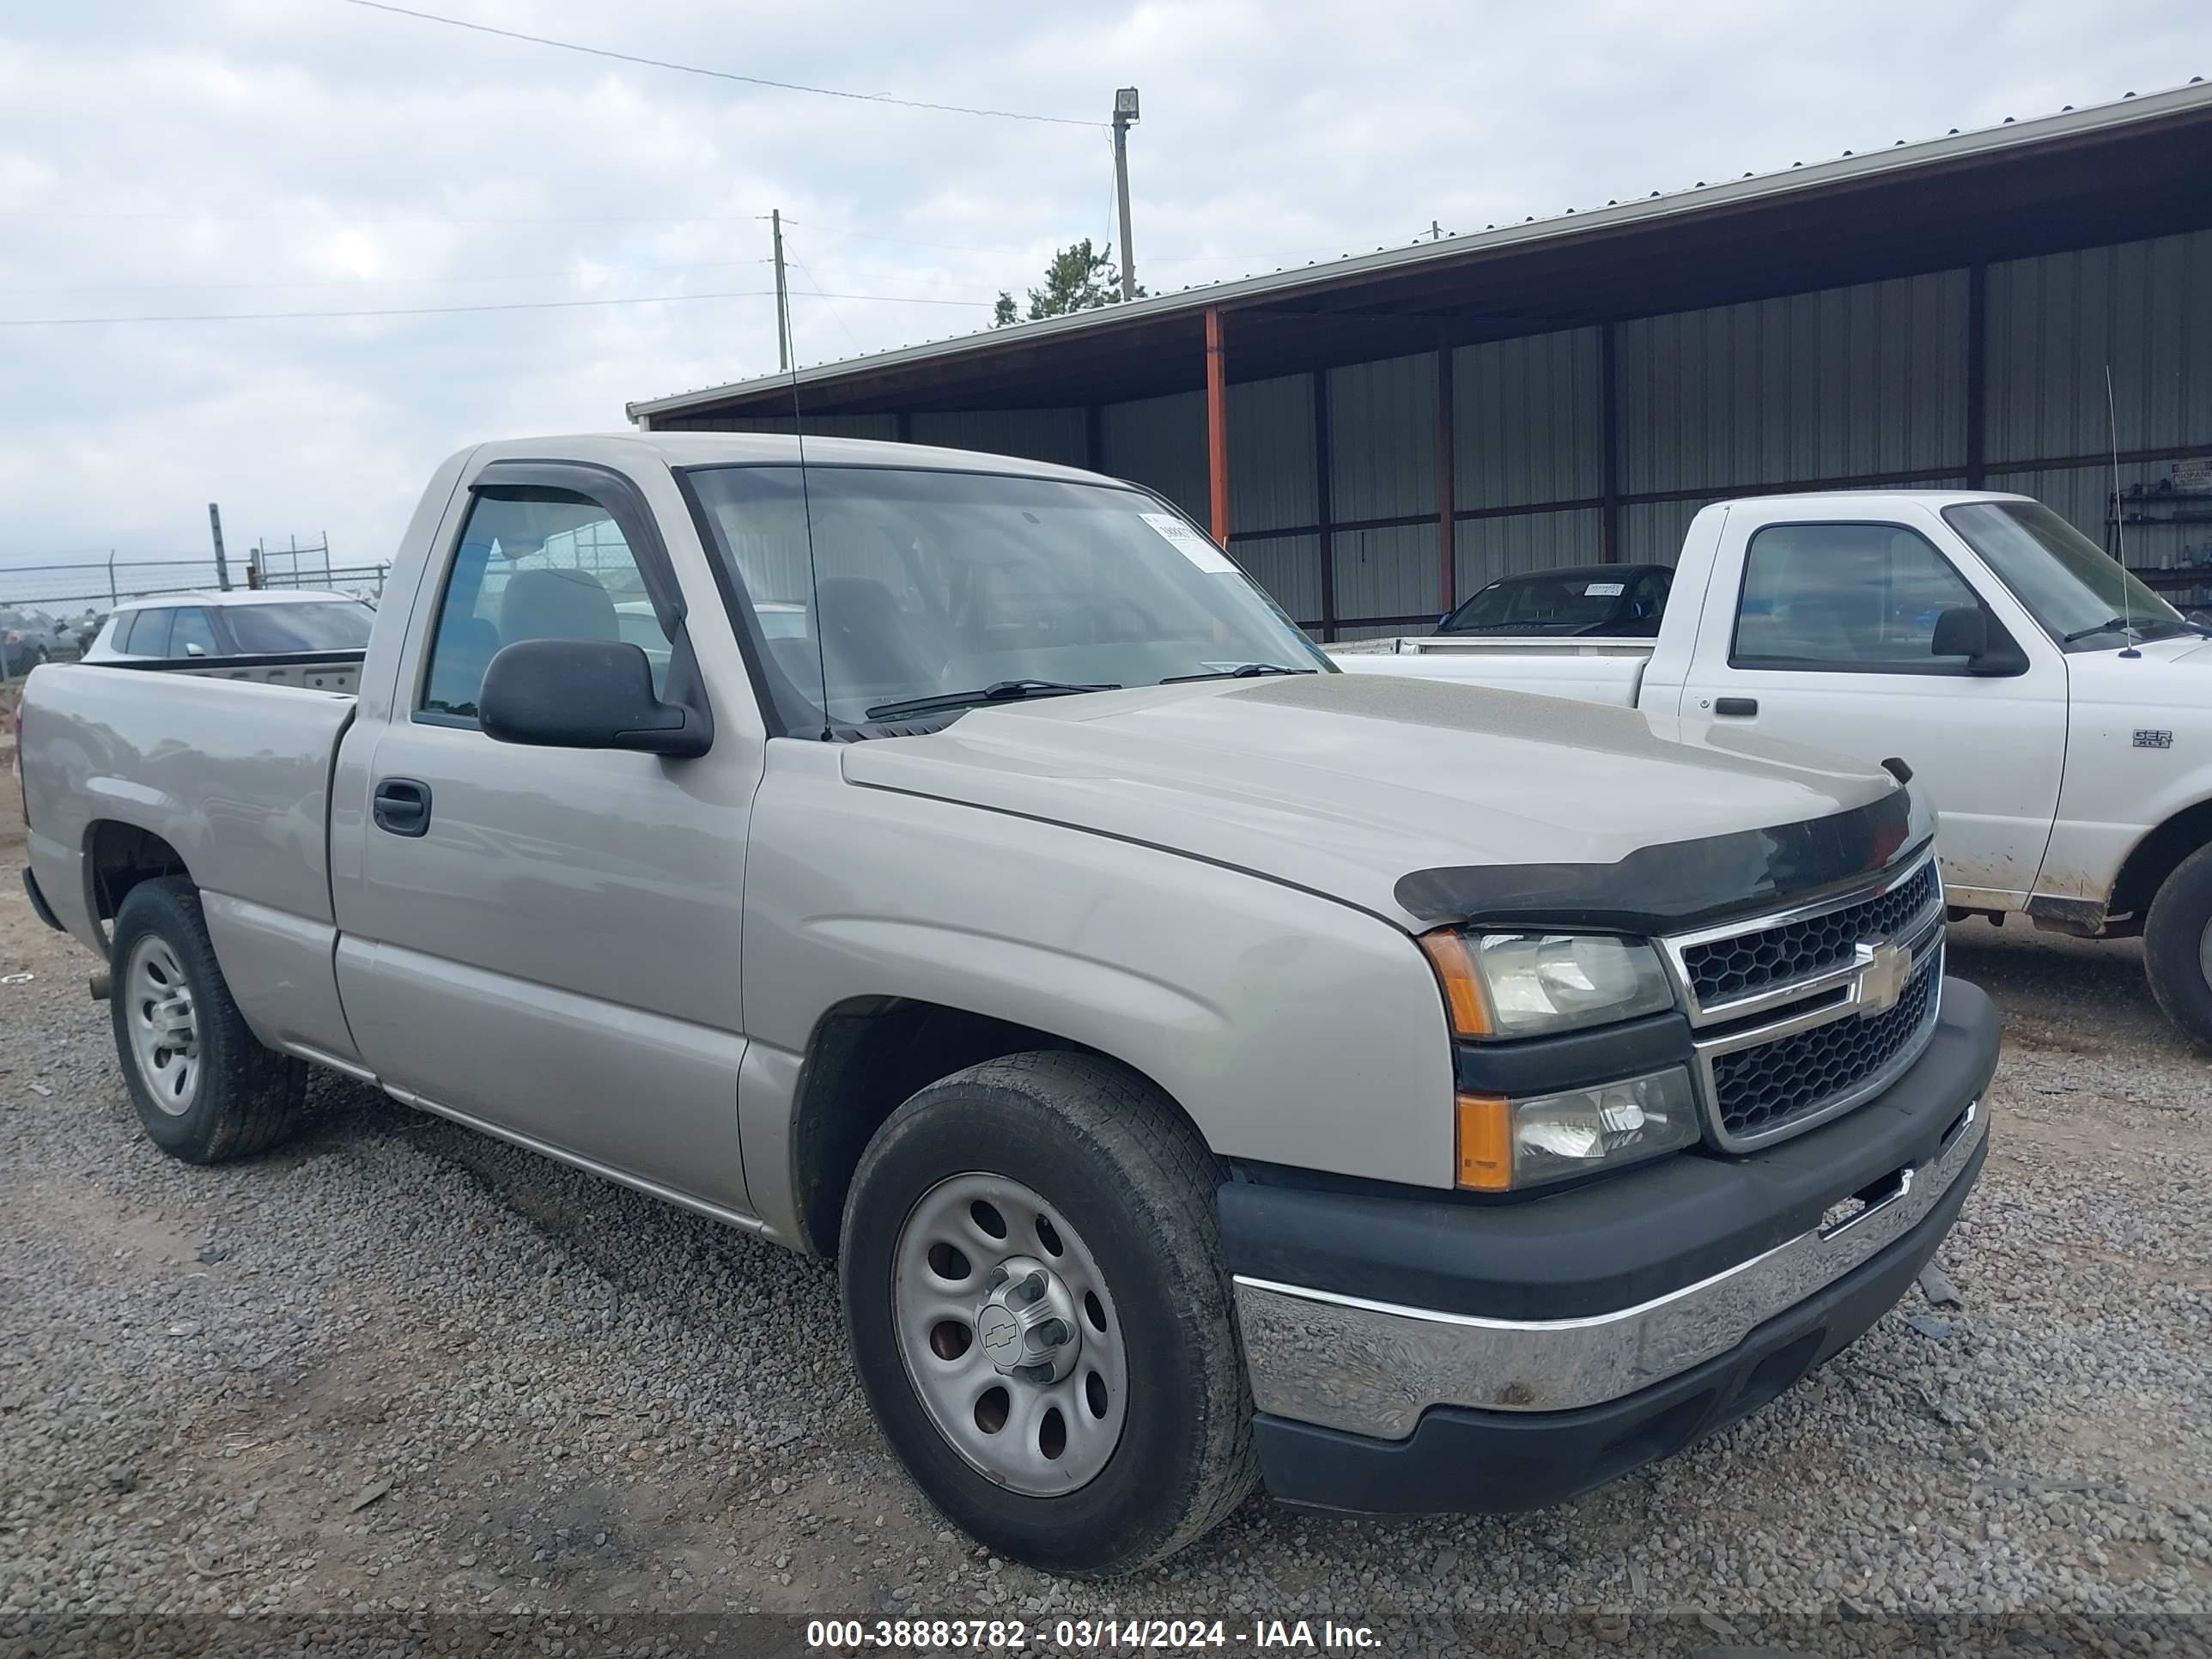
x=2157 y=855
x=867 y=1056
x=118 y=857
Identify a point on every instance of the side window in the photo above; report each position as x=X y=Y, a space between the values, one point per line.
x=149 y=635
x=1863 y=596
x=534 y=564
x=191 y=627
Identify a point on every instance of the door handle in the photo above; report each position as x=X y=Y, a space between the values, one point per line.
x=1740 y=706
x=401 y=806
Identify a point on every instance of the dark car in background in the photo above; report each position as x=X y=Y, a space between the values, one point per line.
x=1616 y=601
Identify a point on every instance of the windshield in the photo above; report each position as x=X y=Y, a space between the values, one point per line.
x=1548 y=602
x=341 y=625
x=2080 y=593
x=936 y=583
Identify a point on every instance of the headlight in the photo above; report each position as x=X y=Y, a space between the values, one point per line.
x=1514 y=985
x=1510 y=1144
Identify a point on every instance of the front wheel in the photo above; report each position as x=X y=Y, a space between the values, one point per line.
x=2178 y=946
x=1034 y=1297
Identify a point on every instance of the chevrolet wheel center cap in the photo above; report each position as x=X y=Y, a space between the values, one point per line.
x=999 y=1332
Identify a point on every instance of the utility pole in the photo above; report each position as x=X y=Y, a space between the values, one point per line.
x=1125 y=114
x=782 y=297
x=221 y=568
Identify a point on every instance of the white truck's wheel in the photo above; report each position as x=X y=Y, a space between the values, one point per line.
x=205 y=1089
x=2177 y=945
x=1034 y=1299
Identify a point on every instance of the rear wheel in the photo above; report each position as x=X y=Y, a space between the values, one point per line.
x=2178 y=946
x=206 y=1089
x=1033 y=1292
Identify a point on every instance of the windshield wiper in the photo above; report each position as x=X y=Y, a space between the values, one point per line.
x=2114 y=625
x=997 y=691
x=1246 y=671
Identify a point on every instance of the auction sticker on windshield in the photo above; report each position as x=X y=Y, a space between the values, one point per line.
x=1189 y=543
x=1602 y=590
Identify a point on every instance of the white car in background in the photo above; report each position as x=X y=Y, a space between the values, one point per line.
x=255 y=625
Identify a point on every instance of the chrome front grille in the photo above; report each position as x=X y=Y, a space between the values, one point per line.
x=1773 y=1085
x=1803 y=1014
x=1721 y=969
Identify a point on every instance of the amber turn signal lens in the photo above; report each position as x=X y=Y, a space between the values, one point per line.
x=1448 y=955
x=1486 y=1143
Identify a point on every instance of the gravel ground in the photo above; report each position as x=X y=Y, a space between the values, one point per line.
x=399 y=1370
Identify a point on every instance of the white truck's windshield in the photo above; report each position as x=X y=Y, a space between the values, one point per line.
x=2084 y=598
x=919 y=585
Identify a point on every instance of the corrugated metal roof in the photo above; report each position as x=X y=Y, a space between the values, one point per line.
x=1899 y=159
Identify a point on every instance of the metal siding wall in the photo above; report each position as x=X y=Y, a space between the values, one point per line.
x=1846 y=381
x=2055 y=322
x=1271 y=456
x=1288 y=566
x=1159 y=442
x=1486 y=549
x=1651 y=532
x=818 y=426
x=1386 y=572
x=1382 y=444
x=1034 y=434
x=1528 y=420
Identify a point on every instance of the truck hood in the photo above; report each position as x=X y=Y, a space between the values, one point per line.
x=1369 y=789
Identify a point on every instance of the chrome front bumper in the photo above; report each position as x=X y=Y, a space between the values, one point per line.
x=1372 y=1368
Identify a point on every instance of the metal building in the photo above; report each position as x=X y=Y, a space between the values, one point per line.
x=1376 y=437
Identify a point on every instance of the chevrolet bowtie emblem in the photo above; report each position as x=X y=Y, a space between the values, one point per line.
x=1881 y=981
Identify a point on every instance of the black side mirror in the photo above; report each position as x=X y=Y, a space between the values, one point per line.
x=584 y=694
x=1967 y=630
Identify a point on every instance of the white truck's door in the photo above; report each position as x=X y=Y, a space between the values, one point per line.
x=1818 y=627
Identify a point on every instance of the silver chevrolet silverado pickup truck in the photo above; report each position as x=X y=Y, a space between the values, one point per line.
x=1206 y=1067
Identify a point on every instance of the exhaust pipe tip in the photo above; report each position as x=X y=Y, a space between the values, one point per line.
x=99 y=984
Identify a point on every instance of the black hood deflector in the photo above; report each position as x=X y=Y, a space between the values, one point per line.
x=1676 y=885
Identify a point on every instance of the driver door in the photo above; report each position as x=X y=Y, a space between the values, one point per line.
x=545 y=941
x=1821 y=633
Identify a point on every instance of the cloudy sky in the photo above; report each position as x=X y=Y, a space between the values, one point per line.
x=177 y=158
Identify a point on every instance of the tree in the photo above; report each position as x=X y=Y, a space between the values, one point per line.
x=1079 y=278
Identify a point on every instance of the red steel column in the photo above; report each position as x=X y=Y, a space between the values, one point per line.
x=1217 y=426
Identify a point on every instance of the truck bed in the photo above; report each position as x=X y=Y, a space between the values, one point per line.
x=232 y=774
x=1591 y=670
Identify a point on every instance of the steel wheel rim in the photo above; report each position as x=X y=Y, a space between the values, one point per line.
x=164 y=1027
x=2204 y=953
x=1040 y=1438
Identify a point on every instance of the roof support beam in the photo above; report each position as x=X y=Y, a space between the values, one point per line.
x=1324 y=502
x=1217 y=426
x=1447 y=484
x=1608 y=399
x=1978 y=347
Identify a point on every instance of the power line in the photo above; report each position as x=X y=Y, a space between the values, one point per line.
x=718 y=75
x=815 y=287
x=440 y=311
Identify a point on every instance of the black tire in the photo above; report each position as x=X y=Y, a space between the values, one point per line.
x=246 y=1098
x=2173 y=946
x=1129 y=1172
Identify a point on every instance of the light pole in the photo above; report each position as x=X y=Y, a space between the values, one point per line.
x=1125 y=116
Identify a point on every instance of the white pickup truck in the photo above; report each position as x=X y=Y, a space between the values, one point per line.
x=1205 y=1066
x=2058 y=713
